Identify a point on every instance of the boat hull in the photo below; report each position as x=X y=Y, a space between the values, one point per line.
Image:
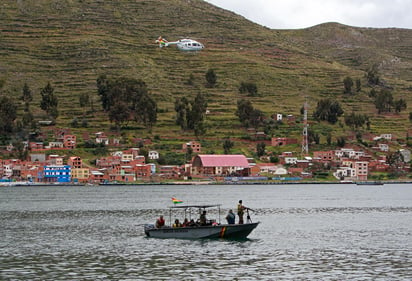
x=228 y=231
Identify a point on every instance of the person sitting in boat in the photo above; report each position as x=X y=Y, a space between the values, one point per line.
x=160 y=222
x=177 y=223
x=185 y=222
x=202 y=219
x=230 y=217
x=192 y=223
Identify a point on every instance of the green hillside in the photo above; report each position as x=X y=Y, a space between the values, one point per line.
x=70 y=43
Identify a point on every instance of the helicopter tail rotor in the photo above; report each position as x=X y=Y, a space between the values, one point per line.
x=162 y=42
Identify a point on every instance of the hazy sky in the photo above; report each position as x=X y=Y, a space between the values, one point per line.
x=281 y=14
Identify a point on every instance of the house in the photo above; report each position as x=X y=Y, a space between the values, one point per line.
x=134 y=151
x=108 y=162
x=54 y=159
x=170 y=171
x=143 y=170
x=383 y=147
x=29 y=172
x=98 y=176
x=349 y=153
x=283 y=141
x=220 y=165
x=324 y=156
x=101 y=138
x=291 y=160
x=55 y=144
x=153 y=155
x=194 y=145
x=57 y=173
x=383 y=137
x=80 y=174
x=69 y=141
x=36 y=146
x=122 y=177
x=38 y=157
x=353 y=170
x=406 y=155
x=75 y=162
x=261 y=168
x=126 y=157
x=344 y=173
x=361 y=170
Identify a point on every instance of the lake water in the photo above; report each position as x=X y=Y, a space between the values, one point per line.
x=307 y=232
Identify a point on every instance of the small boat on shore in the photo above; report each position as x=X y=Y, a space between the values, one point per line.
x=369 y=183
x=212 y=229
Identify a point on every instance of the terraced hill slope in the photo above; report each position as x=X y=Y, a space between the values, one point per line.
x=70 y=43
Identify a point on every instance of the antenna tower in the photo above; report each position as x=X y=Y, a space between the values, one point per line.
x=305 y=144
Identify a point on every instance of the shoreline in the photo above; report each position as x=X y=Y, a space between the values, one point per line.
x=377 y=183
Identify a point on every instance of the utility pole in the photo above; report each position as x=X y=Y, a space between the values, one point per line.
x=305 y=143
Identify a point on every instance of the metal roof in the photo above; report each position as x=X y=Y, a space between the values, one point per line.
x=195 y=206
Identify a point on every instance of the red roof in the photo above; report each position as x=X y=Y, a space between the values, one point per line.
x=224 y=161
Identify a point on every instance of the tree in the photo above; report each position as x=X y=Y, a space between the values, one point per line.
x=372 y=75
x=49 y=101
x=145 y=111
x=190 y=114
x=182 y=108
x=356 y=120
x=27 y=119
x=358 y=85
x=102 y=83
x=400 y=105
x=328 y=110
x=131 y=96
x=248 y=115
x=191 y=80
x=394 y=160
x=84 y=100
x=341 y=141
x=189 y=152
x=244 y=111
x=348 y=84
x=248 y=87
x=119 y=113
x=8 y=115
x=329 y=138
x=227 y=146
x=384 y=101
x=313 y=137
x=27 y=95
x=197 y=114
x=211 y=78
x=260 y=149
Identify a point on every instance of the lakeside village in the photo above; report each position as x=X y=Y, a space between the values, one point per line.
x=348 y=164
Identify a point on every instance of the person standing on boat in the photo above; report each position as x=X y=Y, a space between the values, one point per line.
x=240 y=211
x=230 y=217
x=160 y=222
x=202 y=219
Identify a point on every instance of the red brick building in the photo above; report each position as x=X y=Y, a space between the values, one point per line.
x=283 y=141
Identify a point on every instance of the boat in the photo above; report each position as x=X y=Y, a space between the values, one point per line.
x=369 y=183
x=212 y=229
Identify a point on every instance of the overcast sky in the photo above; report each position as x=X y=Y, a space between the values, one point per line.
x=285 y=14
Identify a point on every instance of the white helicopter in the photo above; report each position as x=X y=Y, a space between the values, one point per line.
x=182 y=44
